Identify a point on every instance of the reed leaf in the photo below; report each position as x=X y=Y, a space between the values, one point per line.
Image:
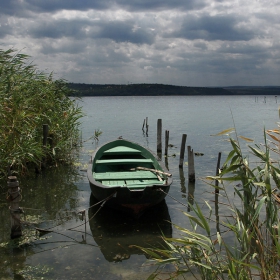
x=236 y=148
x=273 y=136
x=153 y=276
x=226 y=131
x=230 y=169
x=258 y=209
x=229 y=157
x=245 y=138
x=196 y=220
x=201 y=264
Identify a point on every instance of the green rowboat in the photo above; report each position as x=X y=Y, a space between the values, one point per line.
x=128 y=175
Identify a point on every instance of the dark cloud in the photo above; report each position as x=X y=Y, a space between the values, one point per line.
x=55 y=5
x=146 y=5
x=59 y=28
x=118 y=31
x=9 y=7
x=16 y=7
x=209 y=28
x=121 y=31
x=4 y=27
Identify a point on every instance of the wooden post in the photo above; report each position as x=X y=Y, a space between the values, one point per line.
x=166 y=142
x=14 y=197
x=182 y=151
x=217 y=211
x=191 y=165
x=159 y=133
x=217 y=172
x=217 y=194
x=143 y=125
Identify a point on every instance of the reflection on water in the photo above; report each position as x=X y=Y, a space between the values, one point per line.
x=116 y=234
x=44 y=196
x=55 y=194
x=182 y=182
x=191 y=188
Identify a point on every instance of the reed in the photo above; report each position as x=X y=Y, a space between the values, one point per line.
x=30 y=98
x=248 y=247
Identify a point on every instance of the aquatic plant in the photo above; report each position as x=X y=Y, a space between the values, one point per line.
x=30 y=99
x=244 y=244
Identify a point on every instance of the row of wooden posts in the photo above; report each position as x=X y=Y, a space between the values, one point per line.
x=191 y=169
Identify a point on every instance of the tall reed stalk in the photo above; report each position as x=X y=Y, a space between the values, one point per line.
x=248 y=247
x=28 y=99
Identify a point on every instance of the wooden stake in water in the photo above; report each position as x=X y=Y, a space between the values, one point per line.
x=182 y=151
x=14 y=198
x=143 y=125
x=217 y=172
x=159 y=136
x=166 y=142
x=191 y=165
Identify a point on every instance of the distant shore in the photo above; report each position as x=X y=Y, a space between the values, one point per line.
x=166 y=90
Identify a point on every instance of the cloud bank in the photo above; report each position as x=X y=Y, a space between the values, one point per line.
x=191 y=43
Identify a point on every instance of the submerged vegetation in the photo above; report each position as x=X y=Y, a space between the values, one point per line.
x=30 y=99
x=245 y=244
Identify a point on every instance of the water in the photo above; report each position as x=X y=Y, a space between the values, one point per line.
x=100 y=248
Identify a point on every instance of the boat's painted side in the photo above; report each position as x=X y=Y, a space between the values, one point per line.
x=122 y=170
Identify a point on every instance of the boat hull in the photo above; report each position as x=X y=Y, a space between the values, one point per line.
x=133 y=200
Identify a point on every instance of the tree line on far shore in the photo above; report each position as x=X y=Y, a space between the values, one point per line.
x=164 y=90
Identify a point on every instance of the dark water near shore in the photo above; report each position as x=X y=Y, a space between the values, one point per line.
x=97 y=245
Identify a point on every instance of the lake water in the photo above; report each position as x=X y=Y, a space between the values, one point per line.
x=97 y=245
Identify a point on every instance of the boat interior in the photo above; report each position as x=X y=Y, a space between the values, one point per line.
x=126 y=167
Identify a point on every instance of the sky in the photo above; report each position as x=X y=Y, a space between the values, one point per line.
x=202 y=43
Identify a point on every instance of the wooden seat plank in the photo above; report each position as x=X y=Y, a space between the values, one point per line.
x=134 y=184
x=125 y=175
x=123 y=161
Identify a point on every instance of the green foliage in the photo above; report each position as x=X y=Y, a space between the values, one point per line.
x=29 y=99
x=253 y=251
